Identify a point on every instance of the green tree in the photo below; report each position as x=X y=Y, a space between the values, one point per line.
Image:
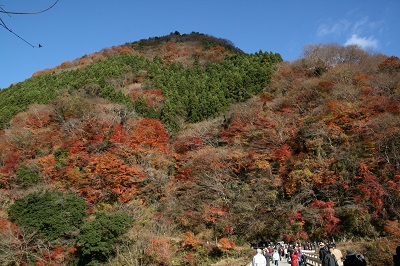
x=97 y=237
x=52 y=213
x=26 y=176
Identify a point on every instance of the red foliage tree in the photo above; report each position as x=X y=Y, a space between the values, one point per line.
x=325 y=215
x=370 y=190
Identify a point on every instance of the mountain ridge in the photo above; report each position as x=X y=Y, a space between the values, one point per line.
x=148 y=46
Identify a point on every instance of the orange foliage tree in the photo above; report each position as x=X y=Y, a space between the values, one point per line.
x=109 y=178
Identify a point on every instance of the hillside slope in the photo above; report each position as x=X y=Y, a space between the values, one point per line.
x=192 y=141
x=196 y=69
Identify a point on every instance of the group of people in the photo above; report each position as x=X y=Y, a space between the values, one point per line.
x=274 y=253
x=331 y=256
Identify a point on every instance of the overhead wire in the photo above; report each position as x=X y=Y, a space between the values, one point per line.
x=4 y=11
x=28 y=13
x=9 y=13
x=7 y=28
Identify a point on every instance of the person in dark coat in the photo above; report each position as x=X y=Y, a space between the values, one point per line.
x=352 y=260
x=322 y=251
x=329 y=258
x=290 y=251
x=396 y=257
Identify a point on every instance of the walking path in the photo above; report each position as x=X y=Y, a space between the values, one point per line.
x=280 y=263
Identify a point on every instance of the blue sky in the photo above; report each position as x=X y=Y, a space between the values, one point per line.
x=73 y=28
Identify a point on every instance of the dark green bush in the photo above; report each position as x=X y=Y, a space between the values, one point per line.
x=52 y=213
x=97 y=237
x=26 y=177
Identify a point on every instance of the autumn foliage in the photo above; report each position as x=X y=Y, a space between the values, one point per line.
x=309 y=153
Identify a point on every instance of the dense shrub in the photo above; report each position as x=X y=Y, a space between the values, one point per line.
x=26 y=176
x=97 y=237
x=52 y=213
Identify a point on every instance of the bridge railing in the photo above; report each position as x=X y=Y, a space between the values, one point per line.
x=312 y=258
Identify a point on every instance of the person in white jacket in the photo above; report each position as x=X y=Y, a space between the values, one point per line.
x=276 y=257
x=259 y=259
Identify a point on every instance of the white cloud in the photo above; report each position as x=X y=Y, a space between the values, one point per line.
x=336 y=28
x=361 y=25
x=363 y=42
x=354 y=26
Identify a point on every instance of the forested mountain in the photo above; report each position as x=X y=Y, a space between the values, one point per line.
x=177 y=150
